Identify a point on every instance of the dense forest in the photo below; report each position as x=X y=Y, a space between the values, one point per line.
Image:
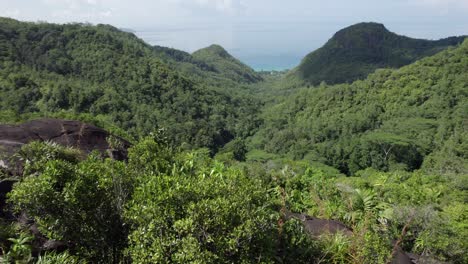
x=99 y=70
x=226 y=165
x=407 y=118
x=212 y=64
x=356 y=51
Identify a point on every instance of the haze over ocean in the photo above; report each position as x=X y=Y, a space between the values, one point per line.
x=261 y=46
x=265 y=34
x=269 y=46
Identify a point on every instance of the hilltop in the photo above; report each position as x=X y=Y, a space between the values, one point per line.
x=213 y=64
x=407 y=119
x=356 y=51
x=224 y=62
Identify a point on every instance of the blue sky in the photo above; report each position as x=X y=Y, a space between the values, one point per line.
x=250 y=27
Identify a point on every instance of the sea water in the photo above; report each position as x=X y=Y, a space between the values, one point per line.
x=262 y=46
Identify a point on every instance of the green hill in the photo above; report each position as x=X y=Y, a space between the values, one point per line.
x=183 y=61
x=213 y=64
x=110 y=74
x=407 y=118
x=223 y=62
x=356 y=51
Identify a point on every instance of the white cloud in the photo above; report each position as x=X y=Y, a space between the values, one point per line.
x=447 y=4
x=227 y=6
x=160 y=13
x=88 y=10
x=13 y=13
x=107 y=13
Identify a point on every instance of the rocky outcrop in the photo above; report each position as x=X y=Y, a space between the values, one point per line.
x=70 y=133
x=317 y=227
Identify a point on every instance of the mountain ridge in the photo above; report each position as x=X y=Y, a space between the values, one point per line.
x=356 y=51
x=212 y=63
x=347 y=125
x=102 y=71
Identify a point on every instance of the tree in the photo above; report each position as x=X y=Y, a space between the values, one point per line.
x=78 y=202
x=239 y=149
x=199 y=212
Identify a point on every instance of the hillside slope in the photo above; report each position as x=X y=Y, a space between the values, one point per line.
x=395 y=119
x=225 y=63
x=213 y=64
x=356 y=51
x=100 y=70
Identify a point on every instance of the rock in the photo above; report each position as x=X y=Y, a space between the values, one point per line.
x=69 y=133
x=317 y=227
x=54 y=245
x=401 y=257
x=5 y=187
x=40 y=243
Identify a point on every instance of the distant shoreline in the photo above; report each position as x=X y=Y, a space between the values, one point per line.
x=264 y=60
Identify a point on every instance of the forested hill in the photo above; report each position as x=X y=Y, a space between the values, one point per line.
x=223 y=62
x=408 y=118
x=213 y=64
x=112 y=75
x=356 y=51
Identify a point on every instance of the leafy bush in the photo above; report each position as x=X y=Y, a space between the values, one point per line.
x=200 y=214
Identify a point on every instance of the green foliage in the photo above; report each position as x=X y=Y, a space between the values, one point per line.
x=296 y=245
x=234 y=150
x=200 y=213
x=161 y=206
x=77 y=201
x=358 y=50
x=378 y=206
x=33 y=156
x=59 y=258
x=393 y=120
x=222 y=61
x=212 y=64
x=336 y=248
x=401 y=134
x=445 y=234
x=371 y=246
x=20 y=249
x=103 y=72
x=259 y=156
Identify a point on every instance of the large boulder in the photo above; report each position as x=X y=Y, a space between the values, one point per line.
x=69 y=133
x=317 y=227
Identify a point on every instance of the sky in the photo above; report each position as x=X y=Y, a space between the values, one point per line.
x=263 y=33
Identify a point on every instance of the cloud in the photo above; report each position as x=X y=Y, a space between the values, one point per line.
x=446 y=4
x=226 y=6
x=13 y=13
x=89 y=10
x=137 y=12
x=160 y=13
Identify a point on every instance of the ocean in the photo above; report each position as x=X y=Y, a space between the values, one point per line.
x=261 y=46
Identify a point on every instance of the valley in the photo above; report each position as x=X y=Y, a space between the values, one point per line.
x=123 y=152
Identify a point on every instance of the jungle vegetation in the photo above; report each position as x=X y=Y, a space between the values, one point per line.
x=219 y=155
x=356 y=51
